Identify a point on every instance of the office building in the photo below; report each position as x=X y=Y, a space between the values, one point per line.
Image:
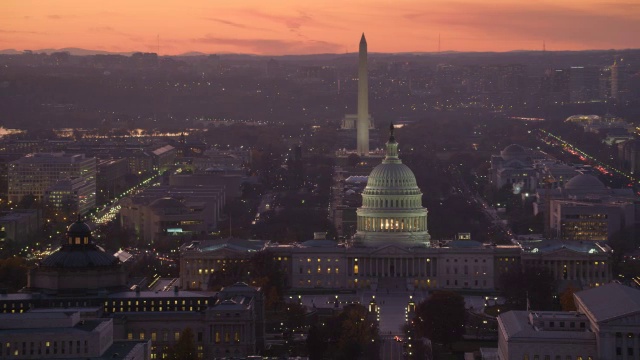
x=33 y=174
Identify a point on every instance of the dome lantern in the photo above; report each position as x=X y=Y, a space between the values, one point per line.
x=79 y=233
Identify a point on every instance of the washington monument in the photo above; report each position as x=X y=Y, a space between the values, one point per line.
x=362 y=127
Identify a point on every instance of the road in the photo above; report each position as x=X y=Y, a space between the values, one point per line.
x=390 y=349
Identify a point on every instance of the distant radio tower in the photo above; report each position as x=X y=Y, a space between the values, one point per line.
x=438 y=42
x=544 y=46
x=158 y=45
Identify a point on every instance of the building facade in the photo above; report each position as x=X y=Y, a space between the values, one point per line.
x=35 y=173
x=606 y=325
x=81 y=277
x=392 y=249
x=165 y=211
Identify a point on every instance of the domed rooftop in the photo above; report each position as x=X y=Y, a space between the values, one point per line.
x=79 y=228
x=166 y=202
x=584 y=182
x=79 y=251
x=392 y=173
x=68 y=257
x=392 y=211
x=514 y=149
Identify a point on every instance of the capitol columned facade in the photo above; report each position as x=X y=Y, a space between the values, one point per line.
x=392 y=249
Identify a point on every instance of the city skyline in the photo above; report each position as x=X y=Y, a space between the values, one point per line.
x=328 y=27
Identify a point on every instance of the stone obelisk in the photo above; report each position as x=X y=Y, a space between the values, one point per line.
x=362 y=126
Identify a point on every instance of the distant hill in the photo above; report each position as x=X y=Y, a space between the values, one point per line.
x=71 y=50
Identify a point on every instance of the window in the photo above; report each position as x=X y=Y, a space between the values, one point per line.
x=141 y=335
x=176 y=335
x=217 y=337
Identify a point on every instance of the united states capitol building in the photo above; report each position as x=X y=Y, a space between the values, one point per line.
x=392 y=249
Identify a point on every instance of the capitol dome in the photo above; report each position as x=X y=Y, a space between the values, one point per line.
x=392 y=211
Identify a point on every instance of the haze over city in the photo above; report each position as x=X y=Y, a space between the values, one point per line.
x=319 y=180
x=310 y=27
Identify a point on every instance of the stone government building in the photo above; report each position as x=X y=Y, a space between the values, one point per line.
x=392 y=249
x=80 y=277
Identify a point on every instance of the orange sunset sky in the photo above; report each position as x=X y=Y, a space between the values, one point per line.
x=279 y=27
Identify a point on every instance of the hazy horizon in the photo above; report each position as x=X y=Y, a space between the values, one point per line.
x=331 y=27
x=88 y=52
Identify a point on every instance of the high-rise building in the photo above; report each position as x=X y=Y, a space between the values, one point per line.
x=615 y=77
x=584 y=84
x=35 y=173
x=76 y=195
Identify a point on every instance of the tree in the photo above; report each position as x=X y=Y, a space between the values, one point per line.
x=566 y=299
x=535 y=285
x=185 y=348
x=441 y=317
x=28 y=201
x=13 y=273
x=353 y=160
x=294 y=316
x=352 y=334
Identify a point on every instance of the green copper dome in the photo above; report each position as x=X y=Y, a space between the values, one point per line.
x=392 y=211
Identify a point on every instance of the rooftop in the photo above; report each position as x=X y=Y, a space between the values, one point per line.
x=516 y=325
x=609 y=301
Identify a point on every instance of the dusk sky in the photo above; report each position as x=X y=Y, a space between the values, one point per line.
x=279 y=27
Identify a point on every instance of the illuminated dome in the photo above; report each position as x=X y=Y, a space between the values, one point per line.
x=392 y=211
x=584 y=182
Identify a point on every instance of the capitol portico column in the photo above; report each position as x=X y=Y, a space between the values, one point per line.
x=395 y=267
